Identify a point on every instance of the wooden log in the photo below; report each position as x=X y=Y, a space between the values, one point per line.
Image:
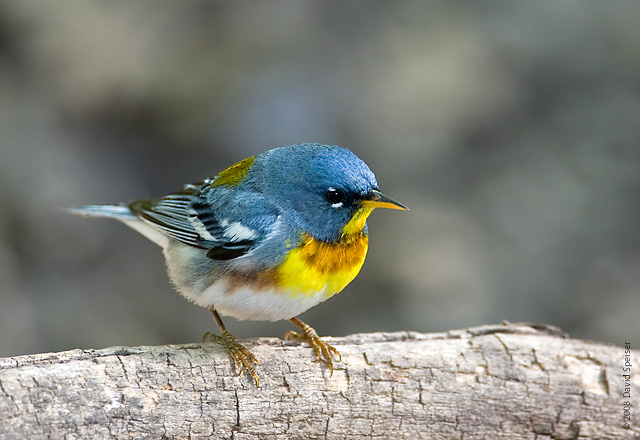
x=492 y=382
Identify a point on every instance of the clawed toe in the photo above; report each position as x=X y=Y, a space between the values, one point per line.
x=324 y=351
x=242 y=357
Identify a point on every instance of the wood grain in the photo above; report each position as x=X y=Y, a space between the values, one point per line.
x=491 y=382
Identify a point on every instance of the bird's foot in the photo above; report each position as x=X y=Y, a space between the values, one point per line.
x=240 y=354
x=324 y=351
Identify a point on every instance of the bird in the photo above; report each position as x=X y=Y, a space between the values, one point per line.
x=266 y=239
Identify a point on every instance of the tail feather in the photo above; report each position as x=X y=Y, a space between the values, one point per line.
x=121 y=211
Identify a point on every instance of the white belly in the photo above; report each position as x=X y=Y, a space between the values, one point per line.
x=263 y=305
x=229 y=295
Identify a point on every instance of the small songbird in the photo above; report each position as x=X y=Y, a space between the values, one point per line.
x=265 y=239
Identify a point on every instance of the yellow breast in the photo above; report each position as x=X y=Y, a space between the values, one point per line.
x=316 y=265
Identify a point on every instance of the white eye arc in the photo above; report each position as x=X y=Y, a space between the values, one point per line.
x=335 y=197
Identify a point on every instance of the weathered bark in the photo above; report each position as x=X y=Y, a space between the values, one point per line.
x=491 y=382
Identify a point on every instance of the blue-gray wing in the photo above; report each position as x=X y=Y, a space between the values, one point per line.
x=226 y=222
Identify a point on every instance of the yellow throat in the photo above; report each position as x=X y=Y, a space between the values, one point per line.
x=316 y=265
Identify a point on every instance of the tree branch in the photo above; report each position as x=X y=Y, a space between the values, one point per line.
x=495 y=382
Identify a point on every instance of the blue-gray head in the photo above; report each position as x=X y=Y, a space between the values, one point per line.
x=323 y=188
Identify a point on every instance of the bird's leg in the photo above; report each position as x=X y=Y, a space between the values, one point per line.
x=241 y=356
x=309 y=335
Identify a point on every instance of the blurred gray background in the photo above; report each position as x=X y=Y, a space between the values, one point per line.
x=511 y=130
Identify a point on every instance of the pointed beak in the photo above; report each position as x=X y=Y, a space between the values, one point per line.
x=378 y=200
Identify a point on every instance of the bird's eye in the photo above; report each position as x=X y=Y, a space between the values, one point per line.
x=335 y=197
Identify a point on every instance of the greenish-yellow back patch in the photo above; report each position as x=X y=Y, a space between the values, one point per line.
x=235 y=174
